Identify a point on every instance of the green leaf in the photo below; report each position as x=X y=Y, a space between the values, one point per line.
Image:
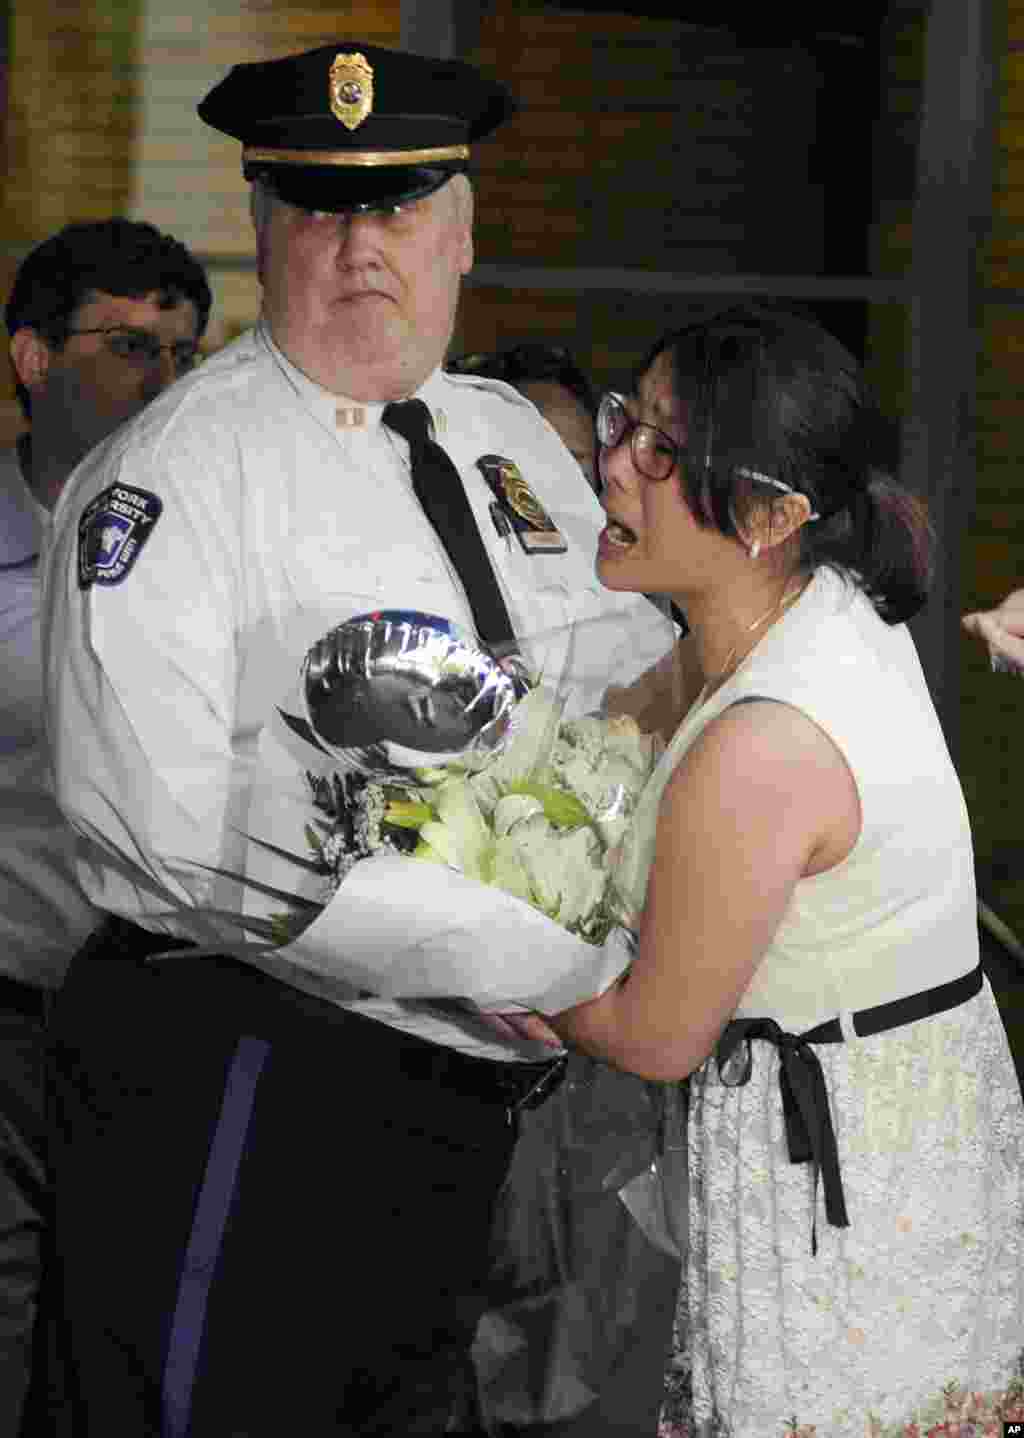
x=287 y=927
x=430 y=777
x=561 y=808
x=407 y=814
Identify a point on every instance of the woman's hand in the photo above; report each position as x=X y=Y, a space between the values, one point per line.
x=1002 y=629
x=517 y=1026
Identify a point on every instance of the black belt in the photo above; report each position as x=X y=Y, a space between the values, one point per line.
x=809 y=1132
x=516 y=1085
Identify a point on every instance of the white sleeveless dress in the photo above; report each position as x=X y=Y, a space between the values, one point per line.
x=926 y=1287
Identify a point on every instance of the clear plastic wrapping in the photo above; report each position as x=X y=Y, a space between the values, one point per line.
x=595 y=1194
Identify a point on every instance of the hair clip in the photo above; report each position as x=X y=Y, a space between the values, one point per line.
x=775 y=484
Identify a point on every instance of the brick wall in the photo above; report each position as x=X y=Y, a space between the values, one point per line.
x=992 y=762
x=639 y=143
x=993 y=542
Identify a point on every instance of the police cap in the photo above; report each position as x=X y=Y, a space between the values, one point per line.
x=351 y=126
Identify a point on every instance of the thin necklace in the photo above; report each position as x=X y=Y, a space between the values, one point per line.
x=733 y=660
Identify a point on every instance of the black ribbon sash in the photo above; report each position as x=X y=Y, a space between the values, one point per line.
x=810 y=1136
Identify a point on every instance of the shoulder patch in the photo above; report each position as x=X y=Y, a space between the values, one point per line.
x=112 y=532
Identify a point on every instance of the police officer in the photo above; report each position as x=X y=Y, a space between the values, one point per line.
x=281 y=1206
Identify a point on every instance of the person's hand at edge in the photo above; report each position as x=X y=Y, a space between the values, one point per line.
x=1002 y=629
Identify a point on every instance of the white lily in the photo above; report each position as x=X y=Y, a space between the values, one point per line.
x=510 y=872
x=563 y=868
x=512 y=810
x=533 y=730
x=459 y=833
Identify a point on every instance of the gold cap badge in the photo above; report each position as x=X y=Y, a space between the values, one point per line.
x=351 y=89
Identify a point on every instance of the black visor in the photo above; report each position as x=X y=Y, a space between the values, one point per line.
x=340 y=188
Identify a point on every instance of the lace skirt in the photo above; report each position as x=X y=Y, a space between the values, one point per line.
x=924 y=1292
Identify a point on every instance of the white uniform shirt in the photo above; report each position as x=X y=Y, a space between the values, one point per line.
x=284 y=511
x=44 y=916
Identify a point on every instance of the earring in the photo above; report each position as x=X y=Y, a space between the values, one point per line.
x=755 y=549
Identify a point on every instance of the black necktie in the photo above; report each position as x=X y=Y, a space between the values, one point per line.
x=439 y=490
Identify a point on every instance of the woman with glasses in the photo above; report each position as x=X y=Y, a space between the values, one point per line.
x=803 y=883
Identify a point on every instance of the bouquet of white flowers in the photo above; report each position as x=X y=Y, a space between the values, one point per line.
x=484 y=871
x=538 y=821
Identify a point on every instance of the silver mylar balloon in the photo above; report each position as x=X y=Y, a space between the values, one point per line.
x=397 y=689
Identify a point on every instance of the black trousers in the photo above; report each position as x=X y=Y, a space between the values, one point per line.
x=273 y=1216
x=25 y=1202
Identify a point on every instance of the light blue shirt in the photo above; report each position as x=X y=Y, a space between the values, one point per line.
x=44 y=916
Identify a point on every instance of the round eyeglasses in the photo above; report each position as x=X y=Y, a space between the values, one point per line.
x=655 y=454
x=140 y=347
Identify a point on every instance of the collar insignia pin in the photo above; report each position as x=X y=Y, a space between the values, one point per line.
x=351 y=89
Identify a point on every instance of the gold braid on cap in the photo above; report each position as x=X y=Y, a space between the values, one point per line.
x=355 y=157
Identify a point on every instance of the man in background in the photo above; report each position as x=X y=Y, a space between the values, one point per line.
x=102 y=317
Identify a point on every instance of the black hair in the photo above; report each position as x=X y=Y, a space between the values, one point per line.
x=530 y=363
x=116 y=256
x=771 y=395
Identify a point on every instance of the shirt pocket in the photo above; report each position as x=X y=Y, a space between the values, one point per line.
x=317 y=572
x=338 y=580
